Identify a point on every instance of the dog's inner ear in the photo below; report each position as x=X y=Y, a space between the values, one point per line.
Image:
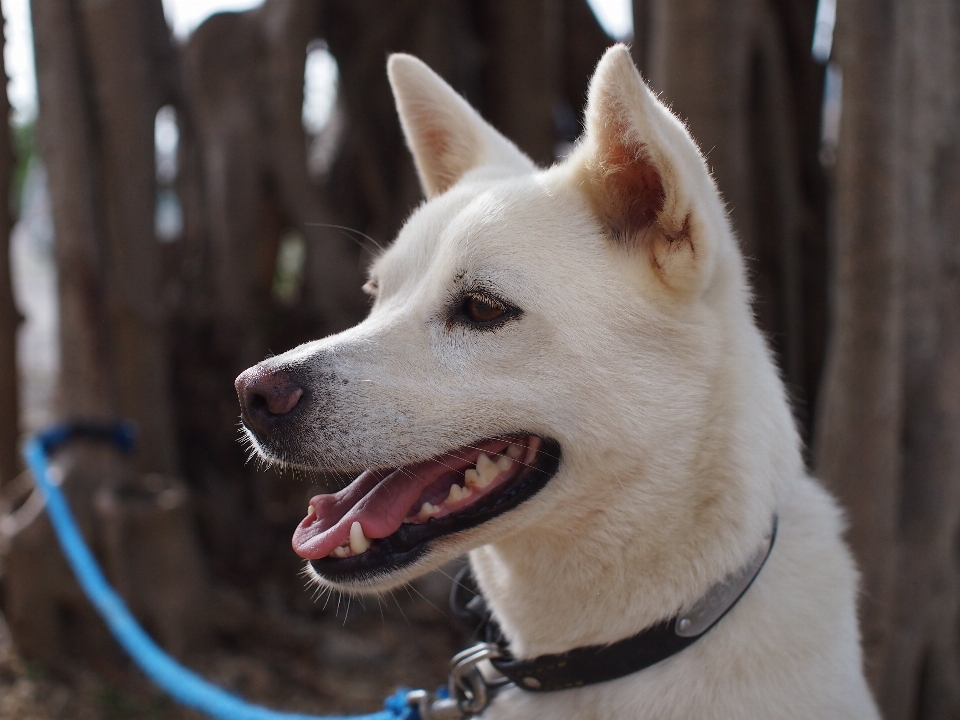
x=635 y=161
x=447 y=137
x=628 y=189
x=629 y=193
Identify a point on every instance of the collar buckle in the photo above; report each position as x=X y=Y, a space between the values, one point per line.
x=468 y=691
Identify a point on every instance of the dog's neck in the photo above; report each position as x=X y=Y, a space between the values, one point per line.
x=609 y=569
x=545 y=608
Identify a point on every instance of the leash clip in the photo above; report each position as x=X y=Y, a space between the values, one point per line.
x=469 y=692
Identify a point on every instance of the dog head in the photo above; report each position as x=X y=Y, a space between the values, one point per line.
x=562 y=351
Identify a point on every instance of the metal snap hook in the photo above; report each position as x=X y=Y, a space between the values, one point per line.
x=469 y=690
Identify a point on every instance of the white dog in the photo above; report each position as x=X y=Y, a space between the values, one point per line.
x=561 y=374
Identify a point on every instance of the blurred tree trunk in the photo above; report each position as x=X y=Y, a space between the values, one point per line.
x=9 y=316
x=126 y=51
x=889 y=434
x=521 y=71
x=103 y=72
x=921 y=677
x=40 y=589
x=98 y=85
x=740 y=73
x=859 y=426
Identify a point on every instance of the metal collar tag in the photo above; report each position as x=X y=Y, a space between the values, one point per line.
x=705 y=613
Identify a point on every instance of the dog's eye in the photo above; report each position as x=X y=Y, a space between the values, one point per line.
x=371 y=287
x=482 y=310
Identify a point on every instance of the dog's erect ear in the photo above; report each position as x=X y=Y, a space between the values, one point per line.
x=643 y=173
x=447 y=137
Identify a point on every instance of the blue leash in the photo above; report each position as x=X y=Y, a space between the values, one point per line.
x=185 y=686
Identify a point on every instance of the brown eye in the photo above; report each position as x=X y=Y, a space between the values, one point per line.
x=482 y=310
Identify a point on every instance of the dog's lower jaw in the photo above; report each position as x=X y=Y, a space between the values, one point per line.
x=434 y=556
x=376 y=584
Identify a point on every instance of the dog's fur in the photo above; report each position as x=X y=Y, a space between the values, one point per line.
x=637 y=350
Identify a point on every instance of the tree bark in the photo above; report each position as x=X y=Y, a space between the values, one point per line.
x=921 y=675
x=101 y=78
x=236 y=208
x=333 y=272
x=9 y=316
x=41 y=593
x=66 y=139
x=121 y=42
x=520 y=71
x=889 y=433
x=857 y=445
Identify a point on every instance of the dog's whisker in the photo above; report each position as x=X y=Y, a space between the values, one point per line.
x=345 y=230
x=425 y=598
x=393 y=596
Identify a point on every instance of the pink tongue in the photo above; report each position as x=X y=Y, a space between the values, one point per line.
x=378 y=501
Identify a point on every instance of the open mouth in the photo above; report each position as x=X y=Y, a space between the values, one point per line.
x=385 y=519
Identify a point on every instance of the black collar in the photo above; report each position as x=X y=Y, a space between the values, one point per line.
x=599 y=663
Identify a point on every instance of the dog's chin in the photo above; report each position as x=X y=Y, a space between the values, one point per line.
x=392 y=525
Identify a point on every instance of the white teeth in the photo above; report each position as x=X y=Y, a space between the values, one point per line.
x=472 y=478
x=486 y=469
x=457 y=493
x=358 y=541
x=532 y=447
x=340 y=552
x=428 y=509
x=514 y=452
x=309 y=510
x=504 y=463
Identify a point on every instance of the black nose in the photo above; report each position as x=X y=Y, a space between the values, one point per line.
x=266 y=395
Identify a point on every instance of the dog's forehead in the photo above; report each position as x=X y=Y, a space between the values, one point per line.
x=481 y=226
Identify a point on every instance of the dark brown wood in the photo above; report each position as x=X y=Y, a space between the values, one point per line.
x=66 y=139
x=890 y=423
x=119 y=49
x=860 y=421
x=921 y=677
x=43 y=604
x=331 y=300
x=9 y=316
x=103 y=71
x=520 y=71
x=584 y=42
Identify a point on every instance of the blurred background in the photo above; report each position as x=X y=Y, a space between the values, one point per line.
x=197 y=184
